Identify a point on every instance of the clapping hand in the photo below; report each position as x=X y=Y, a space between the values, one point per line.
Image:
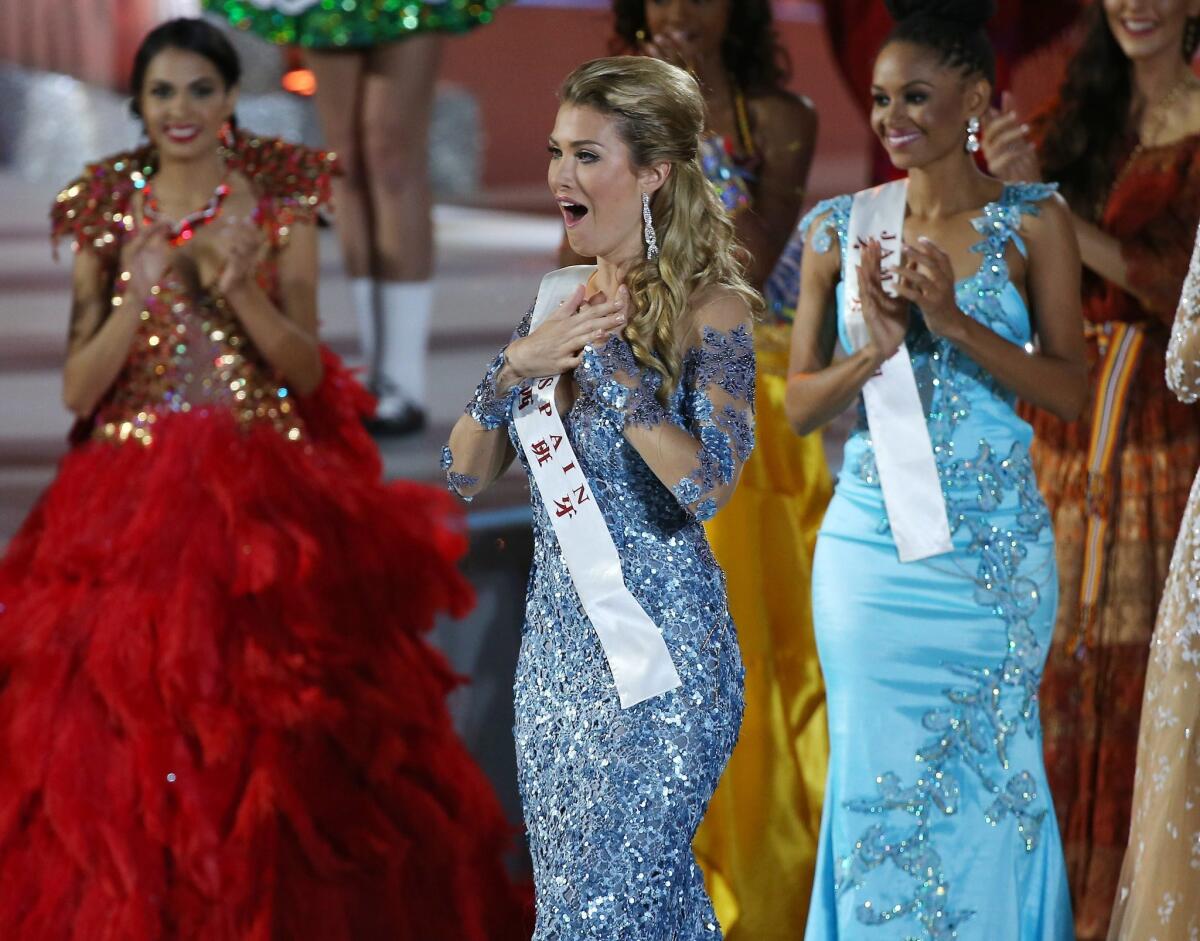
x=886 y=317
x=672 y=48
x=1007 y=148
x=926 y=279
x=240 y=243
x=147 y=257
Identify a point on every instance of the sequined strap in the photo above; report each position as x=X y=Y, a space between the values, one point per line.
x=729 y=181
x=91 y=209
x=1001 y=220
x=296 y=180
x=836 y=222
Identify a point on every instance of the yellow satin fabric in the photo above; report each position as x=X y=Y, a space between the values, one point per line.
x=758 y=843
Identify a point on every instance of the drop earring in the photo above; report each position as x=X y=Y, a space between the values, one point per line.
x=648 y=229
x=973 y=144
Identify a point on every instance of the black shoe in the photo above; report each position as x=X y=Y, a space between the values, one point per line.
x=408 y=421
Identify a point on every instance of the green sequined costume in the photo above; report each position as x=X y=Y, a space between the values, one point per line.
x=325 y=24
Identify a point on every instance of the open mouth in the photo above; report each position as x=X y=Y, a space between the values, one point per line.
x=182 y=133
x=573 y=212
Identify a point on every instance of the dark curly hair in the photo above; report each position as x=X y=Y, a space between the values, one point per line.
x=954 y=29
x=1089 y=125
x=751 y=51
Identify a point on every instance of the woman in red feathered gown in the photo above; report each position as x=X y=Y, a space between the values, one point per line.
x=218 y=717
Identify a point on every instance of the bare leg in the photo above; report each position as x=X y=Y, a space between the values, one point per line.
x=339 y=75
x=340 y=88
x=398 y=105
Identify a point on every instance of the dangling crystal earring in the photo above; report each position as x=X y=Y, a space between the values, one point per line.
x=648 y=232
x=226 y=137
x=973 y=135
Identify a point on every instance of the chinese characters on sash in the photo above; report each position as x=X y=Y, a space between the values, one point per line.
x=637 y=655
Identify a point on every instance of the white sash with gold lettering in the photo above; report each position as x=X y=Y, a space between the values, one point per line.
x=637 y=654
x=908 y=475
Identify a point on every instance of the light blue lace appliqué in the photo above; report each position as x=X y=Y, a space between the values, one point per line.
x=986 y=706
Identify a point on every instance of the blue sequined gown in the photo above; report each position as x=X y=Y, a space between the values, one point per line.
x=612 y=798
x=938 y=822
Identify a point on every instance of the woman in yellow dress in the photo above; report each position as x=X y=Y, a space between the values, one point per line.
x=758 y=842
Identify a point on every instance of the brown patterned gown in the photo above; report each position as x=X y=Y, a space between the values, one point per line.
x=1092 y=689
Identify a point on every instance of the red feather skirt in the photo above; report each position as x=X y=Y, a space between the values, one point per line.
x=218 y=716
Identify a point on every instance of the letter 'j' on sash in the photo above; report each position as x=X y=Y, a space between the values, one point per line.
x=908 y=475
x=637 y=655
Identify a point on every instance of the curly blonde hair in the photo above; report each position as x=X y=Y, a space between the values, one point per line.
x=659 y=115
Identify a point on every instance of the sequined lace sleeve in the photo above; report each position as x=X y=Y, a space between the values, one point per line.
x=491 y=411
x=1183 y=353
x=488 y=407
x=718 y=407
x=707 y=432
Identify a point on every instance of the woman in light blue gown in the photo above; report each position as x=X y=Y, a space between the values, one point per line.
x=938 y=822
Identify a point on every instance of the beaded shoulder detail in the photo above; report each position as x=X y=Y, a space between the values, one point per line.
x=837 y=222
x=297 y=180
x=1001 y=220
x=292 y=180
x=91 y=209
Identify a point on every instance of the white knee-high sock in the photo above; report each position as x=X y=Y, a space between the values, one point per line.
x=405 y=318
x=365 y=292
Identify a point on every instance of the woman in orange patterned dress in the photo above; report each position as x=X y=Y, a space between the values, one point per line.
x=219 y=719
x=1123 y=142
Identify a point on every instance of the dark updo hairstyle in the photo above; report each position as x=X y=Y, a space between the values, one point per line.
x=190 y=35
x=955 y=30
x=750 y=51
x=1089 y=125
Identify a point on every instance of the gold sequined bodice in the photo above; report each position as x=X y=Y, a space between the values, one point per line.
x=190 y=355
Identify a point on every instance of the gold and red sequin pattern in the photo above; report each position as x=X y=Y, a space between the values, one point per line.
x=292 y=182
x=190 y=357
x=190 y=354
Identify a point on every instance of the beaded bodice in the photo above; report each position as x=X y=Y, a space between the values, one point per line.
x=190 y=354
x=967 y=410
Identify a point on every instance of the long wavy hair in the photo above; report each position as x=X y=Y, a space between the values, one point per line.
x=659 y=114
x=1090 y=122
x=750 y=51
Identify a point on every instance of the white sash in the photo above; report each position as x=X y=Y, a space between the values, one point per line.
x=908 y=476
x=637 y=654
